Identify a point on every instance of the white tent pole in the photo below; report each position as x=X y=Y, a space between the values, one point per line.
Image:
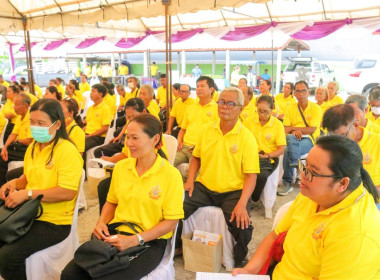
x=84 y=62
x=213 y=62
x=113 y=64
x=228 y=59
x=183 y=63
x=278 y=72
x=145 y=64
x=178 y=61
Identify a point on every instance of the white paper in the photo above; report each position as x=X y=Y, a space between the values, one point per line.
x=103 y=163
x=228 y=276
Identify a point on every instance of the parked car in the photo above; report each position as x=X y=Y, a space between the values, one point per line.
x=364 y=75
x=40 y=79
x=308 y=69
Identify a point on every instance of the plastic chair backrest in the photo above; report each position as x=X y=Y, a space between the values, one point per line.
x=171 y=145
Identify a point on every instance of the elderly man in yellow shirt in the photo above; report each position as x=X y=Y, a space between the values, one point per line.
x=196 y=116
x=15 y=147
x=341 y=120
x=333 y=98
x=301 y=121
x=359 y=103
x=227 y=158
x=161 y=92
x=374 y=104
x=146 y=94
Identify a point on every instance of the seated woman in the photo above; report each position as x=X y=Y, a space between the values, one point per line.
x=285 y=99
x=333 y=225
x=52 y=93
x=146 y=190
x=70 y=93
x=322 y=97
x=53 y=168
x=271 y=141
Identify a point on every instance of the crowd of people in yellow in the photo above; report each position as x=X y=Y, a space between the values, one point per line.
x=231 y=142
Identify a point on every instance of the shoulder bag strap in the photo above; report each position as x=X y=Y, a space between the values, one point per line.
x=71 y=129
x=304 y=120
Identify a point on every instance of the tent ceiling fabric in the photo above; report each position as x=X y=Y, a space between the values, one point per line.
x=56 y=19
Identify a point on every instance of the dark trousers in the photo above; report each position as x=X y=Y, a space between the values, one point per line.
x=108 y=150
x=40 y=236
x=15 y=173
x=266 y=169
x=120 y=122
x=8 y=131
x=138 y=268
x=90 y=143
x=227 y=201
x=16 y=152
x=103 y=188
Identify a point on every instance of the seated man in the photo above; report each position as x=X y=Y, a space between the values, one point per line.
x=359 y=103
x=341 y=120
x=226 y=157
x=178 y=111
x=20 y=138
x=98 y=118
x=146 y=94
x=161 y=92
x=301 y=121
x=196 y=116
x=374 y=104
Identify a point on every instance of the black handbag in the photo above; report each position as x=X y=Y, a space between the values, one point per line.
x=15 y=222
x=99 y=258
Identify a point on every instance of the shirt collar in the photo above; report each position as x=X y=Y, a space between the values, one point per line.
x=157 y=165
x=268 y=124
x=235 y=130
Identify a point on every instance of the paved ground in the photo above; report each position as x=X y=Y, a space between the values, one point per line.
x=262 y=226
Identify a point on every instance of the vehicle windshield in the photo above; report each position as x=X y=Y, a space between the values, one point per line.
x=364 y=63
x=291 y=67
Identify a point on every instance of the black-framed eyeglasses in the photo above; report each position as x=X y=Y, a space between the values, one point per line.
x=350 y=127
x=300 y=91
x=309 y=175
x=263 y=112
x=229 y=104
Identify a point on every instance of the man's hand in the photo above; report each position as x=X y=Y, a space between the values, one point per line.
x=101 y=231
x=297 y=134
x=4 y=153
x=241 y=214
x=180 y=146
x=189 y=187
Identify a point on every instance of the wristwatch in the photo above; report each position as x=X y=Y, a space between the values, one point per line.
x=30 y=193
x=141 y=240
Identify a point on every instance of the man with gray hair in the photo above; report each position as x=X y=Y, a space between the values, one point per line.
x=226 y=156
x=374 y=103
x=359 y=103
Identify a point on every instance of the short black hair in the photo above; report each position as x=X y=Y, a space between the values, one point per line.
x=266 y=98
x=210 y=81
x=302 y=82
x=162 y=76
x=100 y=88
x=337 y=116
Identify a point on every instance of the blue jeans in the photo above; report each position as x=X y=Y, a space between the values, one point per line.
x=294 y=150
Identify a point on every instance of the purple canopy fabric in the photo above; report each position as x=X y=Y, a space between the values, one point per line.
x=22 y=49
x=184 y=35
x=12 y=59
x=130 y=42
x=89 y=42
x=54 y=44
x=321 y=29
x=241 y=33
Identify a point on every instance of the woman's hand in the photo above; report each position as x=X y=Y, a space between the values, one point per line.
x=101 y=231
x=15 y=198
x=7 y=188
x=4 y=154
x=237 y=271
x=122 y=242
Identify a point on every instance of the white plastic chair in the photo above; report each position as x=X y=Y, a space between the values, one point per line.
x=48 y=264
x=281 y=213
x=15 y=164
x=268 y=195
x=2 y=133
x=171 y=145
x=211 y=219
x=165 y=270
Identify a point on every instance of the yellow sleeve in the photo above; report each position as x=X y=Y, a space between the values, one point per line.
x=280 y=137
x=112 y=196
x=316 y=116
x=69 y=166
x=287 y=120
x=198 y=147
x=106 y=116
x=250 y=161
x=172 y=206
x=16 y=128
x=173 y=112
x=286 y=222
x=78 y=136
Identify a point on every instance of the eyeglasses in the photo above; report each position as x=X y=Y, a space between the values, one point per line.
x=184 y=91
x=263 y=112
x=300 y=91
x=229 y=104
x=352 y=124
x=309 y=175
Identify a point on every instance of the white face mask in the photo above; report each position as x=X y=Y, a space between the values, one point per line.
x=375 y=110
x=131 y=85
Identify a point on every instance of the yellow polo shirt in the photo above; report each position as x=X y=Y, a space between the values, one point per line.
x=79 y=98
x=76 y=99
x=61 y=89
x=129 y=95
x=161 y=96
x=3 y=121
x=148 y=199
x=215 y=97
x=283 y=103
x=110 y=100
x=313 y=117
x=324 y=106
x=8 y=108
x=126 y=151
x=5 y=83
x=372 y=127
x=38 y=90
x=83 y=87
x=64 y=170
x=335 y=101
x=370 y=146
x=269 y=136
x=370 y=117
x=196 y=116
x=22 y=127
x=342 y=242
x=153 y=70
x=77 y=135
x=179 y=108
x=226 y=158
x=97 y=117
x=32 y=97
x=248 y=111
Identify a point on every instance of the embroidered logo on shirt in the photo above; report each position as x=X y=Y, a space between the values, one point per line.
x=234 y=149
x=367 y=158
x=155 y=192
x=318 y=232
x=209 y=114
x=268 y=137
x=50 y=165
